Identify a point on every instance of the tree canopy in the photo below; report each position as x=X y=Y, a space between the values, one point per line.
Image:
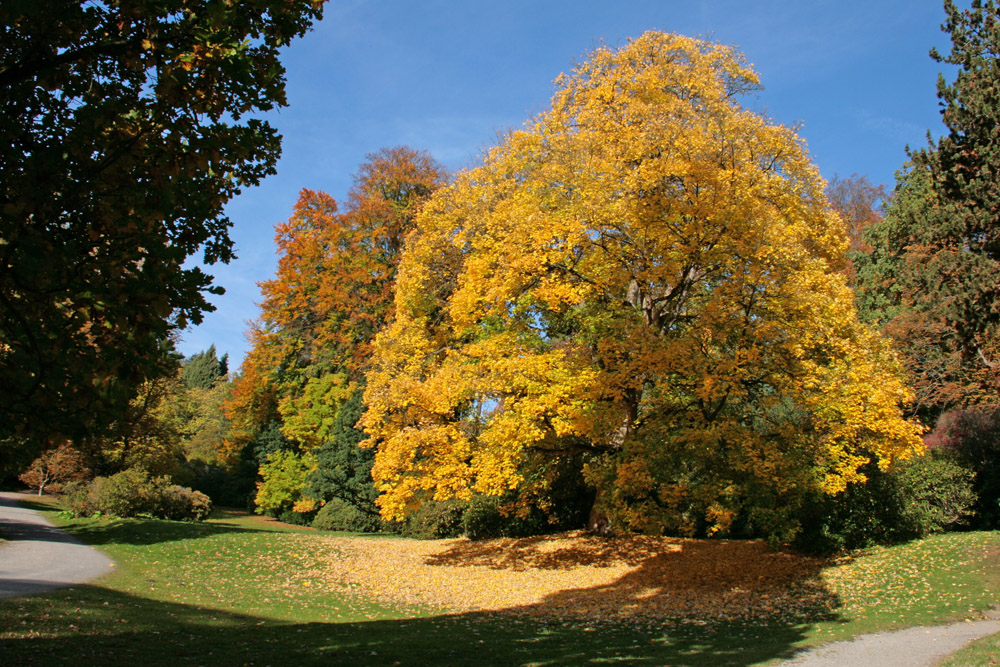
x=128 y=125
x=319 y=314
x=860 y=204
x=648 y=273
x=933 y=275
x=203 y=369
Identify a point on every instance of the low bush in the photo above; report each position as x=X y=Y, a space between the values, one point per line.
x=928 y=494
x=134 y=492
x=434 y=520
x=183 y=504
x=972 y=437
x=497 y=516
x=935 y=494
x=294 y=518
x=339 y=515
x=128 y=493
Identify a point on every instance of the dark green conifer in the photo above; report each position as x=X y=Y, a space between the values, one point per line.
x=932 y=278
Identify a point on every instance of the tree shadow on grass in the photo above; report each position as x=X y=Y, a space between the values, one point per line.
x=697 y=580
x=38 y=506
x=94 y=626
x=720 y=612
x=144 y=532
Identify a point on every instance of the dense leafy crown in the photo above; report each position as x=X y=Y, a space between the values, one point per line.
x=331 y=294
x=649 y=273
x=126 y=128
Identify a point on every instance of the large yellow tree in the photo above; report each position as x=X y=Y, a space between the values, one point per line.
x=649 y=273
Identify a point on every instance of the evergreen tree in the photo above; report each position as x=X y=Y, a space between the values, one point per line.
x=204 y=369
x=344 y=470
x=932 y=278
x=962 y=232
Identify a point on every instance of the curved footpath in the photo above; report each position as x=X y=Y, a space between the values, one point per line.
x=912 y=647
x=38 y=557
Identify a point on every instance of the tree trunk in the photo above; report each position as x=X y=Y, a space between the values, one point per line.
x=598 y=522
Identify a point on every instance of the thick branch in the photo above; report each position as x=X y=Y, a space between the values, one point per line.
x=27 y=70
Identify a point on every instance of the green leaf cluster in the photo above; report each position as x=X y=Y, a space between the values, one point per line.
x=127 y=127
x=204 y=369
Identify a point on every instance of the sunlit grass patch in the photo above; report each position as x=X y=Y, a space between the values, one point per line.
x=982 y=653
x=234 y=563
x=931 y=581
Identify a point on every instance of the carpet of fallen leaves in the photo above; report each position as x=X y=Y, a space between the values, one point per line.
x=573 y=576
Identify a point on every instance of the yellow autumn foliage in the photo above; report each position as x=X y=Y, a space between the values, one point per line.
x=649 y=271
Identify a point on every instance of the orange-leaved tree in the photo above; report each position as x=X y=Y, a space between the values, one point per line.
x=650 y=274
x=56 y=467
x=331 y=294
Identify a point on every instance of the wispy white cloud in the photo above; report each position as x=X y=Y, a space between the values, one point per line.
x=895 y=129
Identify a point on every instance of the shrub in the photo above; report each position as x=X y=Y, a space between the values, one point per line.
x=183 y=504
x=435 y=519
x=133 y=493
x=340 y=515
x=913 y=499
x=935 y=494
x=972 y=437
x=498 y=516
x=294 y=517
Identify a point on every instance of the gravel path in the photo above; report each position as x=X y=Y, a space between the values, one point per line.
x=912 y=647
x=38 y=557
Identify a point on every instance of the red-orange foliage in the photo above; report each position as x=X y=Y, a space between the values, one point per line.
x=333 y=288
x=859 y=203
x=54 y=468
x=252 y=401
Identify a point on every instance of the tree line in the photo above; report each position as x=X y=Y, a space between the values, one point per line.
x=642 y=311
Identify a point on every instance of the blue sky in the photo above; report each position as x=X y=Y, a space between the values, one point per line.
x=447 y=75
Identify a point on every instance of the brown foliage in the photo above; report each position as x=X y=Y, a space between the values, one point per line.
x=859 y=203
x=54 y=468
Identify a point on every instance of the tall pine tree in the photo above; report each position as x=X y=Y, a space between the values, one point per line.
x=936 y=258
x=203 y=369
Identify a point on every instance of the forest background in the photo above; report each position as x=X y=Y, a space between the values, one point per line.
x=802 y=453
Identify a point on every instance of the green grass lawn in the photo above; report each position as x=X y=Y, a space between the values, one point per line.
x=980 y=653
x=219 y=593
